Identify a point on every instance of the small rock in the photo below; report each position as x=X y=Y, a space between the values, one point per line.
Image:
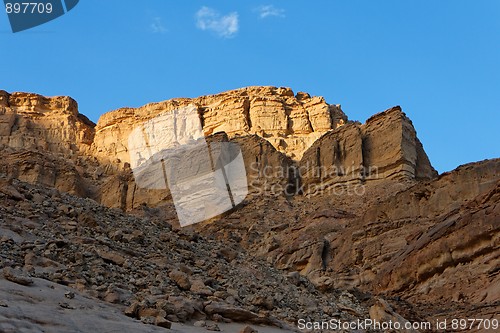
x=199 y=288
x=200 y=323
x=265 y=302
x=132 y=310
x=65 y=305
x=38 y=198
x=229 y=311
x=212 y=327
x=181 y=279
x=10 y=191
x=136 y=236
x=217 y=317
x=3 y=304
x=69 y=294
x=148 y=320
x=173 y=318
x=248 y=329
x=112 y=296
x=111 y=256
x=293 y=278
x=162 y=322
x=228 y=254
x=17 y=276
x=65 y=209
x=145 y=312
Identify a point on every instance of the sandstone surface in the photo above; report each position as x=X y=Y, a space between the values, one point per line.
x=291 y=123
x=31 y=121
x=385 y=147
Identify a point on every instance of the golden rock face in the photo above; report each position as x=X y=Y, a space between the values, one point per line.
x=275 y=128
x=31 y=121
x=290 y=123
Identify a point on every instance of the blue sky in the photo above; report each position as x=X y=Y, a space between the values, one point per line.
x=439 y=60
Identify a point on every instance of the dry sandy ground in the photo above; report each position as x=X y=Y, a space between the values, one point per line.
x=43 y=307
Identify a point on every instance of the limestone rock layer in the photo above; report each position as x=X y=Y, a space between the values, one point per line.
x=291 y=123
x=301 y=139
x=31 y=121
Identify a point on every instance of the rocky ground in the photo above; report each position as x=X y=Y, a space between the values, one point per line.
x=431 y=249
x=156 y=273
x=44 y=306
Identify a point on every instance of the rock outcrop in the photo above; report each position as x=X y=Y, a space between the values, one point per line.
x=39 y=167
x=53 y=124
x=290 y=123
x=385 y=147
x=289 y=143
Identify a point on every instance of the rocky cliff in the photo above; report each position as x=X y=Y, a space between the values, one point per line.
x=292 y=140
x=34 y=122
x=385 y=147
x=291 y=123
x=333 y=204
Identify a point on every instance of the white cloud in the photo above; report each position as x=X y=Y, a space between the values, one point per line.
x=270 y=10
x=157 y=26
x=223 y=25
